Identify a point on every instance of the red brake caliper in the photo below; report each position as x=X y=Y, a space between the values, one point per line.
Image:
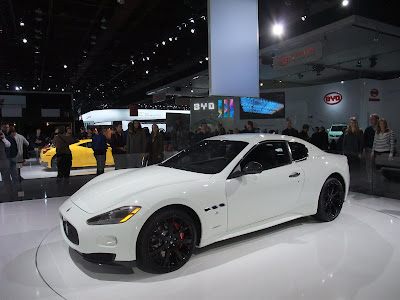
x=181 y=235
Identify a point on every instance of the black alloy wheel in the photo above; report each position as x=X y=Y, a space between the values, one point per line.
x=54 y=163
x=166 y=242
x=330 y=200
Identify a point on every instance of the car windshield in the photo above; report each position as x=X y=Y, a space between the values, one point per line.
x=207 y=157
x=338 y=128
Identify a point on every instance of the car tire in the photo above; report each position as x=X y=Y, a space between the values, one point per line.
x=166 y=241
x=54 y=165
x=330 y=200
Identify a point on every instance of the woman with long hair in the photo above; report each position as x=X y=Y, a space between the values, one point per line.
x=383 y=140
x=353 y=144
x=136 y=145
x=157 y=145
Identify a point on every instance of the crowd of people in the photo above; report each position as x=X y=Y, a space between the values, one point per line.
x=136 y=147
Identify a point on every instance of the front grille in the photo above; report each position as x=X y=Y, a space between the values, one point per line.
x=70 y=232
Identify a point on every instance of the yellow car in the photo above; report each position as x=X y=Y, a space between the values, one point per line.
x=82 y=155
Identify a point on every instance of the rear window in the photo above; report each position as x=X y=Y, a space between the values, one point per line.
x=338 y=128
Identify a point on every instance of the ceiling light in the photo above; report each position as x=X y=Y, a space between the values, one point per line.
x=345 y=2
x=277 y=29
x=65 y=66
x=191 y=90
x=261 y=84
x=21 y=23
x=121 y=1
x=192 y=30
x=184 y=25
x=342 y=82
x=170 y=39
x=17 y=88
x=49 y=89
x=176 y=38
x=104 y=27
x=148 y=58
x=163 y=42
x=24 y=40
x=200 y=61
x=207 y=58
x=303 y=18
x=62 y=90
x=33 y=88
x=179 y=27
x=147 y=71
x=203 y=17
x=132 y=62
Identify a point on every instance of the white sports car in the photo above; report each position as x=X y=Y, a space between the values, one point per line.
x=220 y=188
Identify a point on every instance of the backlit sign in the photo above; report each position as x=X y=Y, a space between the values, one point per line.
x=333 y=98
x=225 y=108
x=299 y=56
x=204 y=106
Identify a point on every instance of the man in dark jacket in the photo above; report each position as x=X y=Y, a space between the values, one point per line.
x=117 y=144
x=290 y=130
x=369 y=135
x=99 y=145
x=64 y=156
x=249 y=127
x=180 y=135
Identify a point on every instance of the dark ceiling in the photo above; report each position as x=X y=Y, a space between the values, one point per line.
x=113 y=51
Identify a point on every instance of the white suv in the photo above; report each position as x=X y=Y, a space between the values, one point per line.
x=335 y=131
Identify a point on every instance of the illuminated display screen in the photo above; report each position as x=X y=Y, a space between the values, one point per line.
x=269 y=106
x=225 y=109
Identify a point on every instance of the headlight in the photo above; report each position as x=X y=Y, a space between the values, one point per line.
x=119 y=215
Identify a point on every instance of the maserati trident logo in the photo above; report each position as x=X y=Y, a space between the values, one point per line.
x=333 y=98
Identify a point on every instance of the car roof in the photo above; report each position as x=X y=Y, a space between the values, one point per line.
x=255 y=137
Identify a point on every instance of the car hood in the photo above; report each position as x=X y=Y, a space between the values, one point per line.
x=114 y=187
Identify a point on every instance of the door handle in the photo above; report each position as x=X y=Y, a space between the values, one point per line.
x=295 y=174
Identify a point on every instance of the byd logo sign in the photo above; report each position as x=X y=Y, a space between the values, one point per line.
x=333 y=98
x=204 y=106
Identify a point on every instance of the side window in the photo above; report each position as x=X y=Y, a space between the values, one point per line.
x=299 y=151
x=270 y=155
x=89 y=144
x=84 y=145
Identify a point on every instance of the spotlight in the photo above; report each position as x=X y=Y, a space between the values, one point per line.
x=21 y=23
x=261 y=84
x=206 y=58
x=17 y=88
x=303 y=18
x=170 y=39
x=345 y=2
x=163 y=43
x=191 y=90
x=277 y=29
x=147 y=71
x=65 y=66
x=342 y=82
x=132 y=62
x=372 y=60
x=359 y=64
x=192 y=30
x=24 y=40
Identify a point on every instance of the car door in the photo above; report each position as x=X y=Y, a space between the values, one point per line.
x=256 y=197
x=86 y=154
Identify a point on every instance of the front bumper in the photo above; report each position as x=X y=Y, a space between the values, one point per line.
x=117 y=241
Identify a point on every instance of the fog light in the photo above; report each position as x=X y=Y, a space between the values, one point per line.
x=107 y=241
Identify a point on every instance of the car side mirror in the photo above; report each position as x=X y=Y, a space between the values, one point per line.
x=253 y=167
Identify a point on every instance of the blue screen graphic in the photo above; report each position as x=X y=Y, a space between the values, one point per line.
x=259 y=106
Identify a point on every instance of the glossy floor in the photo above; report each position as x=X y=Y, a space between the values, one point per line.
x=355 y=257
